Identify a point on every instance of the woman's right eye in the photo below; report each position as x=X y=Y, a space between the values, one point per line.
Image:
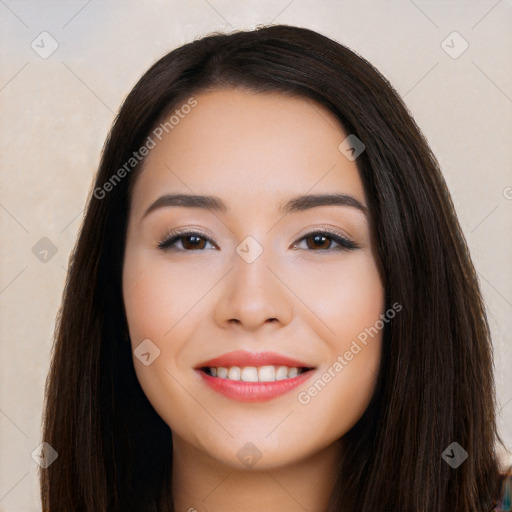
x=190 y=241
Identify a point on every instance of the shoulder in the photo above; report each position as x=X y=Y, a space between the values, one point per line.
x=504 y=499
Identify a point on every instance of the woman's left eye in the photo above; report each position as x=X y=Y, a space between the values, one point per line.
x=317 y=240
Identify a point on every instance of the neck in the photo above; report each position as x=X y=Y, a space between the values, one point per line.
x=202 y=483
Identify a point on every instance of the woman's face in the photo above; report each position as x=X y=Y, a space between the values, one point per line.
x=223 y=319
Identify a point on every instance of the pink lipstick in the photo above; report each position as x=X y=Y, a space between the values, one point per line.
x=253 y=377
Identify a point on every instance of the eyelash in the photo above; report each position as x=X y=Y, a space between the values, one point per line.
x=344 y=244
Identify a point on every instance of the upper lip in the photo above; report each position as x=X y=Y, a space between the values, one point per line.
x=243 y=358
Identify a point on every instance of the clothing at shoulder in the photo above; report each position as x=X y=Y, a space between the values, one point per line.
x=504 y=501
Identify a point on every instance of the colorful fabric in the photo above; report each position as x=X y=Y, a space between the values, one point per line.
x=504 y=501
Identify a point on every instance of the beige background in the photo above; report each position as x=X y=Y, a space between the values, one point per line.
x=56 y=112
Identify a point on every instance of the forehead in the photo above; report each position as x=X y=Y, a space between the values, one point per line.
x=238 y=145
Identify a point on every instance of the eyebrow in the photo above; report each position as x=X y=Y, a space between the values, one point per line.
x=295 y=204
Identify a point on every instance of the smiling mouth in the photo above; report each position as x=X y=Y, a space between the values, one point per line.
x=254 y=383
x=253 y=376
x=267 y=373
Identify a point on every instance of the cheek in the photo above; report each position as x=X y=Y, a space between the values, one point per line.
x=350 y=301
x=145 y=306
x=360 y=300
x=162 y=305
x=155 y=301
x=157 y=296
x=344 y=297
x=339 y=398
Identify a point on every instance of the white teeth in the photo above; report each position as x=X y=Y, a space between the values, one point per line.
x=234 y=373
x=293 y=372
x=255 y=374
x=282 y=373
x=266 y=373
x=221 y=372
x=250 y=374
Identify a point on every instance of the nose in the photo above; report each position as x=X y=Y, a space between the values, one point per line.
x=252 y=296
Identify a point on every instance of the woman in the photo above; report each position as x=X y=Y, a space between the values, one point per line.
x=271 y=304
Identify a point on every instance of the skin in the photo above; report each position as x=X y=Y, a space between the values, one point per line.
x=254 y=151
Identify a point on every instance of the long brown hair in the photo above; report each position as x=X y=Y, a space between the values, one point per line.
x=435 y=384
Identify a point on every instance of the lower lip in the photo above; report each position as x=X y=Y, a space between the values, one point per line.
x=253 y=391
